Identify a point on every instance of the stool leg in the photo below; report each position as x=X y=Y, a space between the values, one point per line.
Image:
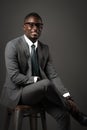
x=7 y=120
x=18 y=116
x=43 y=120
x=33 y=121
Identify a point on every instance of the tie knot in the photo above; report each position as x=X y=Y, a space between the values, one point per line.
x=33 y=46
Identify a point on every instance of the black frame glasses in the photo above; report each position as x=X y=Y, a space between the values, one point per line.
x=32 y=24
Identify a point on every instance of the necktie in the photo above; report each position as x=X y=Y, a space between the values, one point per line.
x=34 y=61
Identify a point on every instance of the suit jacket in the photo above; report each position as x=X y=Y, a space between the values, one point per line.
x=18 y=70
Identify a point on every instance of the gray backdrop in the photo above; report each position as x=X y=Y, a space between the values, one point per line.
x=65 y=30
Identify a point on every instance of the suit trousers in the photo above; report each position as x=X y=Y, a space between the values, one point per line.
x=43 y=92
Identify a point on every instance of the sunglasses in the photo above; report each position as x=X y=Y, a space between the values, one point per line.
x=31 y=24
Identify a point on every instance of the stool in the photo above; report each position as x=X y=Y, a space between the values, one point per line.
x=22 y=111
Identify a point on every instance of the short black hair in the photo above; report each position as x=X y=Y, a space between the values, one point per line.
x=32 y=14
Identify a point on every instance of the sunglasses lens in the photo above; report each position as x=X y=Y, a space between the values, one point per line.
x=31 y=24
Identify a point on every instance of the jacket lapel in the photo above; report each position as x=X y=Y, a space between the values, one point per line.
x=42 y=59
x=40 y=56
x=25 y=46
x=23 y=54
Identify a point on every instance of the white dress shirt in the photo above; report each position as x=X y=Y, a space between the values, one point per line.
x=30 y=43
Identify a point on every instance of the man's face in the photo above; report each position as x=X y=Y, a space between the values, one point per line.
x=33 y=27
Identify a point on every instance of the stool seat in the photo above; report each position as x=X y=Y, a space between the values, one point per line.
x=23 y=107
x=21 y=111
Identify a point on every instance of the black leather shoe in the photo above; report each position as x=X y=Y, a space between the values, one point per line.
x=74 y=111
x=80 y=117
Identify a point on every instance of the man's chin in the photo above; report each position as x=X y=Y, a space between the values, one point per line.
x=35 y=36
x=33 y=39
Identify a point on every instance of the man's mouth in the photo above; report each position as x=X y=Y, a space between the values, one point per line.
x=35 y=33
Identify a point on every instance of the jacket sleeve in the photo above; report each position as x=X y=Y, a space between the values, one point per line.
x=53 y=76
x=12 y=66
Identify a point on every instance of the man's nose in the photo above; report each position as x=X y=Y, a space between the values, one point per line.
x=35 y=27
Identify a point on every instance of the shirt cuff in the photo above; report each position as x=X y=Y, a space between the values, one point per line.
x=35 y=79
x=66 y=94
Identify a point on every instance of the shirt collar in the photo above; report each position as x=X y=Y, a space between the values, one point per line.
x=30 y=43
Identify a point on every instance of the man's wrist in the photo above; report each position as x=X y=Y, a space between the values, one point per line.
x=36 y=78
x=66 y=94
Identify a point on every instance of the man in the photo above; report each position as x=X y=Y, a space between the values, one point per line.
x=31 y=78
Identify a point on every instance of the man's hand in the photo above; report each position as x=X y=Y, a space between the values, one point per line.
x=72 y=105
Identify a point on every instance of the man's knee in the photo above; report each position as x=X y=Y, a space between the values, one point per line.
x=47 y=84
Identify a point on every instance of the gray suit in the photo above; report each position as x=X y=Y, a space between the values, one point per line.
x=19 y=75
